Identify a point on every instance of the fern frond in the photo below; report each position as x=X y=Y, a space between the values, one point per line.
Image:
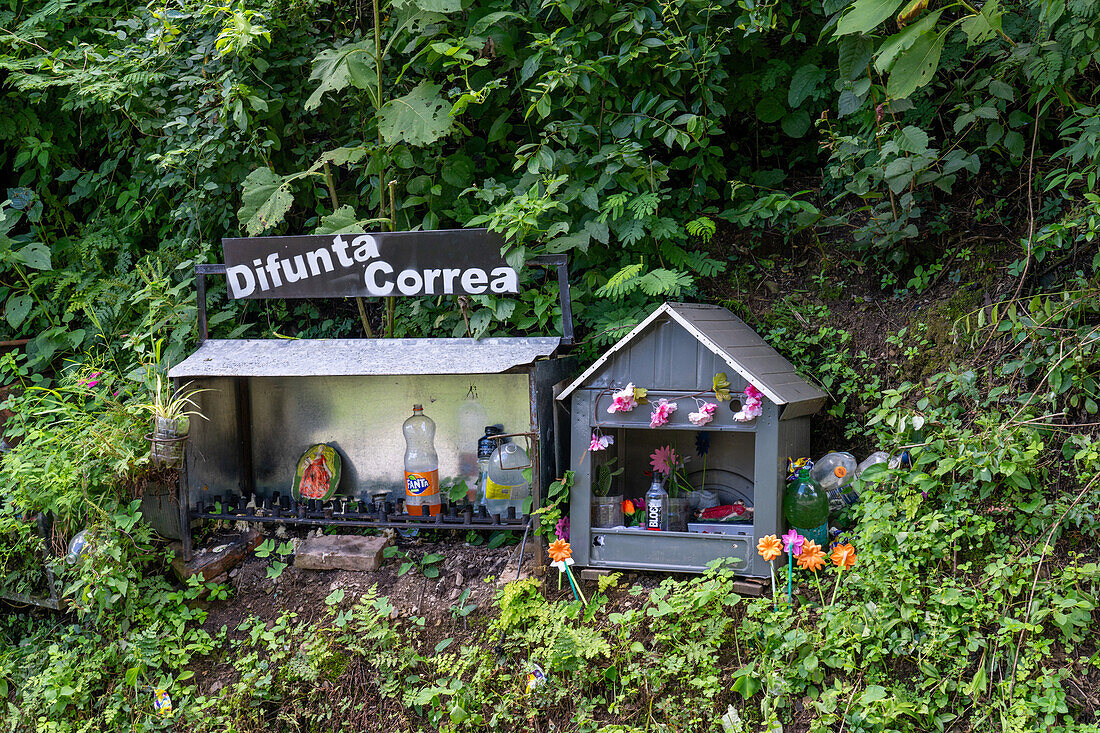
x=703 y=227
x=665 y=282
x=621 y=283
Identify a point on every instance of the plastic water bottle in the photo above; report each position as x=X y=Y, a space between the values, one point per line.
x=806 y=508
x=505 y=485
x=834 y=470
x=656 y=506
x=421 y=465
x=471 y=418
x=485 y=447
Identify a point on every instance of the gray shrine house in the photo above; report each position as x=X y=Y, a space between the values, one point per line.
x=675 y=353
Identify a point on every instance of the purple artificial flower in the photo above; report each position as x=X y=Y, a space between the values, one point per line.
x=561 y=529
x=792 y=543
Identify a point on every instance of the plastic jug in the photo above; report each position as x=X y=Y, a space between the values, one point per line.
x=505 y=485
x=806 y=507
x=421 y=465
x=834 y=470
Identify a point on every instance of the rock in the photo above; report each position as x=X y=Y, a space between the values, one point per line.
x=234 y=572
x=340 y=552
x=459 y=580
x=228 y=551
x=214 y=688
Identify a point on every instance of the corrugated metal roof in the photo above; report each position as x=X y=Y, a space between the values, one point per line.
x=361 y=357
x=733 y=341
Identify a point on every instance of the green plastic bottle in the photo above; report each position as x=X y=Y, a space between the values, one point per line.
x=806 y=507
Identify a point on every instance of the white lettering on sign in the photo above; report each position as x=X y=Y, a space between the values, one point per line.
x=350 y=251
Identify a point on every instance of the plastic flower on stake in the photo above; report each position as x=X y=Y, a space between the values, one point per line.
x=769 y=548
x=792 y=543
x=844 y=557
x=812 y=556
x=662 y=411
x=562 y=555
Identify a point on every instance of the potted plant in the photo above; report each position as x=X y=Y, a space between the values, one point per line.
x=172 y=412
x=607 y=510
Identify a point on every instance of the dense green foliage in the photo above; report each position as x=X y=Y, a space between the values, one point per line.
x=818 y=167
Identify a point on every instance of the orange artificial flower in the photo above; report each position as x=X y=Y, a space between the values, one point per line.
x=812 y=557
x=844 y=556
x=769 y=548
x=560 y=550
x=628 y=506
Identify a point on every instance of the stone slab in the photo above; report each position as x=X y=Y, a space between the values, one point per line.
x=340 y=552
x=224 y=552
x=749 y=587
x=590 y=574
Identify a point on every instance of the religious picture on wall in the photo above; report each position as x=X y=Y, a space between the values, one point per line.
x=318 y=473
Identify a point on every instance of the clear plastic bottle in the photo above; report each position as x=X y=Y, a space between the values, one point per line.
x=485 y=447
x=471 y=418
x=834 y=470
x=505 y=485
x=806 y=508
x=656 y=506
x=421 y=465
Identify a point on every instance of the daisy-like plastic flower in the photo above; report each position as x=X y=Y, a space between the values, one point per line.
x=792 y=542
x=600 y=442
x=623 y=400
x=561 y=529
x=662 y=411
x=844 y=556
x=560 y=550
x=769 y=548
x=664 y=460
x=812 y=557
x=704 y=416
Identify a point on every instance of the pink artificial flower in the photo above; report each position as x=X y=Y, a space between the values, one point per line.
x=792 y=542
x=661 y=413
x=664 y=460
x=752 y=407
x=623 y=400
x=600 y=442
x=704 y=416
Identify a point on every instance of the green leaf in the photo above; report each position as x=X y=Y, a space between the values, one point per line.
x=264 y=202
x=983 y=25
x=888 y=52
x=338 y=67
x=913 y=139
x=36 y=255
x=745 y=683
x=769 y=110
x=916 y=65
x=665 y=282
x=804 y=83
x=418 y=118
x=797 y=123
x=458 y=170
x=853 y=55
x=334 y=597
x=17 y=308
x=873 y=693
x=721 y=385
x=848 y=102
x=342 y=221
x=865 y=15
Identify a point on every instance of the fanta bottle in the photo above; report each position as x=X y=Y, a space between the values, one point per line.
x=421 y=465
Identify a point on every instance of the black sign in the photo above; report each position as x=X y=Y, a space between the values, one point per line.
x=450 y=262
